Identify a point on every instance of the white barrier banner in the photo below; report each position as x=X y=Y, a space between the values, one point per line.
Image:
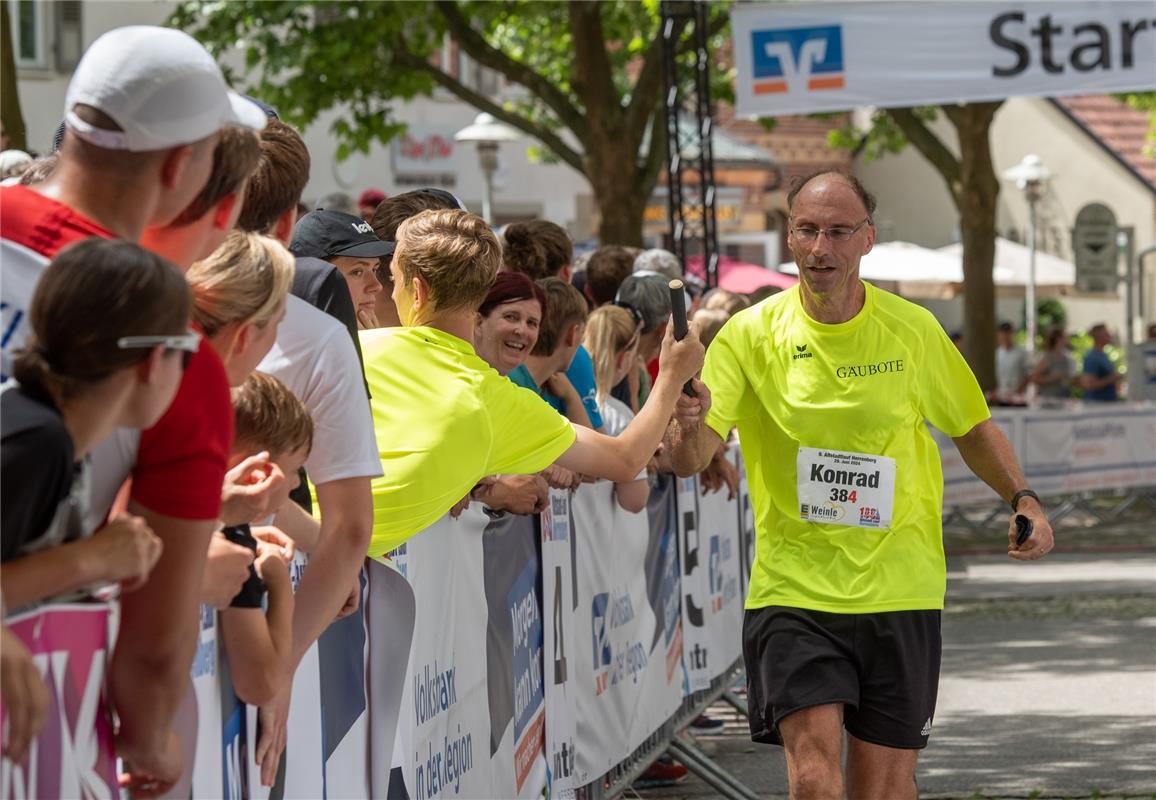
x=801 y=58
x=73 y=755
x=472 y=713
x=560 y=609
x=390 y=614
x=629 y=680
x=1074 y=449
x=694 y=555
x=718 y=521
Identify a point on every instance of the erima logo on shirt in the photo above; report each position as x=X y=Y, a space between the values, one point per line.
x=361 y=227
x=801 y=352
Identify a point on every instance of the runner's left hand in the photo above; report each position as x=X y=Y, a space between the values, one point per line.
x=1040 y=543
x=274 y=721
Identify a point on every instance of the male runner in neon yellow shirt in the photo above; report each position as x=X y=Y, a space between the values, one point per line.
x=830 y=385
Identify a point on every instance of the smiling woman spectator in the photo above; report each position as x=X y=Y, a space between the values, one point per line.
x=508 y=321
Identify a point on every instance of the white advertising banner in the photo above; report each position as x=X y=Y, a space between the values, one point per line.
x=1075 y=449
x=472 y=717
x=694 y=558
x=718 y=520
x=628 y=675
x=807 y=57
x=559 y=609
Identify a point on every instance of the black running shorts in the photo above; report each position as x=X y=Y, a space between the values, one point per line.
x=883 y=668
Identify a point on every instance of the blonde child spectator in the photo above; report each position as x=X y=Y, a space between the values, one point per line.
x=612 y=338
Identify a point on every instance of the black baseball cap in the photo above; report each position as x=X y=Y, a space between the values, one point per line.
x=323 y=234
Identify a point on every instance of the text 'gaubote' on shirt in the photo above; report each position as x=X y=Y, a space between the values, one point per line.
x=844 y=474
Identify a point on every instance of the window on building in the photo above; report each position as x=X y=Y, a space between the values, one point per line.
x=46 y=36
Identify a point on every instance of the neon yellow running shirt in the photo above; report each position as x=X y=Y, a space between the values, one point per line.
x=830 y=409
x=444 y=419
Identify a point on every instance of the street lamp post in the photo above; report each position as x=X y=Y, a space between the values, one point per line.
x=487 y=133
x=1030 y=177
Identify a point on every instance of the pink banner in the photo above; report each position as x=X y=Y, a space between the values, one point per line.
x=73 y=757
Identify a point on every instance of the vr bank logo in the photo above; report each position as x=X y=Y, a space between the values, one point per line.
x=785 y=55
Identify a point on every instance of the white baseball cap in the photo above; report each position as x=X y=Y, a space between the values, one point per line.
x=159 y=85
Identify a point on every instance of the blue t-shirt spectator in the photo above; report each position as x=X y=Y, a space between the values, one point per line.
x=581 y=375
x=1098 y=365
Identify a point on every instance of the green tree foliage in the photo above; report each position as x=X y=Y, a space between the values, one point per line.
x=584 y=79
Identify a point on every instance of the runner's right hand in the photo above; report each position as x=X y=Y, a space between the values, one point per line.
x=689 y=412
x=127 y=550
x=681 y=361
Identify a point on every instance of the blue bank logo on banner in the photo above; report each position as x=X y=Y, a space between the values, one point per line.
x=527 y=623
x=598 y=626
x=782 y=54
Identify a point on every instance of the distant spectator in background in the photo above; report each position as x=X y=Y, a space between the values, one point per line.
x=337 y=201
x=14 y=163
x=1152 y=332
x=368 y=202
x=647 y=296
x=39 y=170
x=661 y=261
x=1099 y=376
x=1011 y=364
x=388 y=216
x=606 y=269
x=762 y=293
x=710 y=321
x=544 y=371
x=348 y=243
x=723 y=300
x=1055 y=371
x=612 y=336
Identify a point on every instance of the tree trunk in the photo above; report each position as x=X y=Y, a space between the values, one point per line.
x=976 y=201
x=9 y=95
x=614 y=172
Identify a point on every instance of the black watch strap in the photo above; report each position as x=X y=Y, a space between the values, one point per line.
x=1015 y=501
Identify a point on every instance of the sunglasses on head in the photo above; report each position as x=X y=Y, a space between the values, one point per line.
x=187 y=343
x=634 y=312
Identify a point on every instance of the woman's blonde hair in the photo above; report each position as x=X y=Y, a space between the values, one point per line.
x=609 y=331
x=246 y=279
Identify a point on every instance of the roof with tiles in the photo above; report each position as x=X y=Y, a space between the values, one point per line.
x=1118 y=128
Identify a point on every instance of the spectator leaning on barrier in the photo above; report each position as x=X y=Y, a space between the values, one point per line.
x=1099 y=377
x=258 y=644
x=108 y=341
x=110 y=333
x=612 y=338
x=316 y=359
x=444 y=419
x=541 y=249
x=387 y=218
x=348 y=243
x=508 y=323
x=843 y=612
x=560 y=336
x=135 y=153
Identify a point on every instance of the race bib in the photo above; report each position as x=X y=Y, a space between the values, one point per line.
x=841 y=488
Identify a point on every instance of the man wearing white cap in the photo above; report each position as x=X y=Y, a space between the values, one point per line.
x=143 y=112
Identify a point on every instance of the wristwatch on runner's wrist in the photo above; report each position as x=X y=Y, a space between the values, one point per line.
x=1015 y=501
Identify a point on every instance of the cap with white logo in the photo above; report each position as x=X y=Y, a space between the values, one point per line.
x=159 y=85
x=324 y=234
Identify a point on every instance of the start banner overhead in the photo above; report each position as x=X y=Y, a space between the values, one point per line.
x=802 y=58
